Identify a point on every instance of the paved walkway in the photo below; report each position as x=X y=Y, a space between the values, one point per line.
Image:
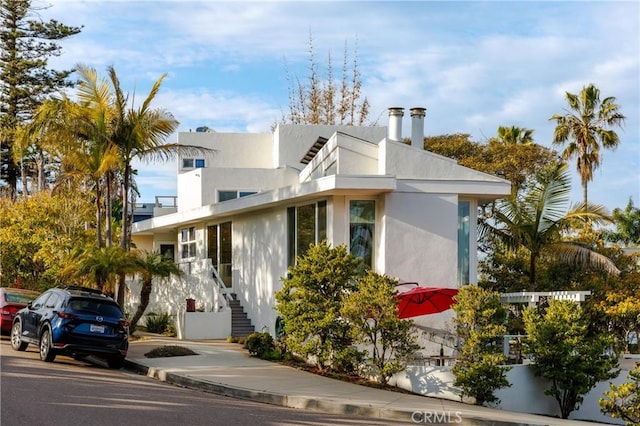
x=227 y=369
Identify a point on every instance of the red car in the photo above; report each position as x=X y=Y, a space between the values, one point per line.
x=11 y=301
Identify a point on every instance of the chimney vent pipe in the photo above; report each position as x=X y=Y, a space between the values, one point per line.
x=394 y=132
x=417 y=127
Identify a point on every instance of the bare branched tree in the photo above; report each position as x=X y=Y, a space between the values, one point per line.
x=318 y=100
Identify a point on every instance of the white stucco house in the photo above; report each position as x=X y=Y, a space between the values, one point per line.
x=244 y=213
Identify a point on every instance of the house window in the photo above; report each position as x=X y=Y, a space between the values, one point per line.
x=463 y=242
x=232 y=195
x=188 y=242
x=219 y=249
x=362 y=214
x=168 y=251
x=306 y=225
x=190 y=163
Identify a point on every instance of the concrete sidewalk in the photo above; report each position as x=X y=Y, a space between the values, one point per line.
x=227 y=369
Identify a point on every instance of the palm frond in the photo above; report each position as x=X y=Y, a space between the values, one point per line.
x=575 y=254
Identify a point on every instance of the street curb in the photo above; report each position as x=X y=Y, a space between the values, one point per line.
x=297 y=402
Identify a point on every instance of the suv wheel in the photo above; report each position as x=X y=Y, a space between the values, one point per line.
x=16 y=337
x=116 y=362
x=46 y=352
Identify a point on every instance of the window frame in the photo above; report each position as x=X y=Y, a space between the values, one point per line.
x=371 y=228
x=188 y=242
x=320 y=208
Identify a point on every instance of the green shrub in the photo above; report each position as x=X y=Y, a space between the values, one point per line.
x=232 y=339
x=272 y=355
x=158 y=323
x=259 y=344
x=349 y=360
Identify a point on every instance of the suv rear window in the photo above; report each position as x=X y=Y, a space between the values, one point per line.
x=98 y=307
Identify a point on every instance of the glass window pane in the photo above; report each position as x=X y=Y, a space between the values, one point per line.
x=212 y=245
x=225 y=242
x=245 y=193
x=305 y=228
x=322 y=221
x=291 y=236
x=227 y=195
x=362 y=215
x=463 y=242
x=168 y=251
x=199 y=163
x=187 y=163
x=226 y=246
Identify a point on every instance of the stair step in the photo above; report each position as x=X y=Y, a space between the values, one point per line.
x=240 y=323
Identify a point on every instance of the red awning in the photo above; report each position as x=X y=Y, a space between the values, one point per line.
x=425 y=301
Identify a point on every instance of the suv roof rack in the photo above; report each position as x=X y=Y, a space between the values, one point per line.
x=83 y=289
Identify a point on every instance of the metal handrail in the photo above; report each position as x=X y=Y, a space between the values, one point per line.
x=221 y=286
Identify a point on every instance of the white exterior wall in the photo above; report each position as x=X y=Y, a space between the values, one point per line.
x=291 y=142
x=421 y=243
x=259 y=260
x=189 y=189
x=526 y=394
x=231 y=149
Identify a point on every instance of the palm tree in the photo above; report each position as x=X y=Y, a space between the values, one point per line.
x=138 y=133
x=101 y=265
x=539 y=220
x=151 y=265
x=79 y=133
x=515 y=135
x=585 y=130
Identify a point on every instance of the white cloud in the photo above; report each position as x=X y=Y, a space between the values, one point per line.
x=474 y=65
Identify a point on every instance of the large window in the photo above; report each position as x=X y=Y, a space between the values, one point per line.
x=307 y=225
x=362 y=215
x=188 y=242
x=219 y=249
x=463 y=242
x=232 y=195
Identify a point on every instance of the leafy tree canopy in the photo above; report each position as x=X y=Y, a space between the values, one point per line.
x=310 y=302
x=567 y=352
x=38 y=233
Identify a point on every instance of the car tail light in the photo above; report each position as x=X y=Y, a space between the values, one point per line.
x=67 y=315
x=123 y=323
x=10 y=310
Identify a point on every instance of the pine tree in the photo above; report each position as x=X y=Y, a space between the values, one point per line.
x=26 y=44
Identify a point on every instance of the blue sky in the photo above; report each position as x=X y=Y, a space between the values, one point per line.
x=473 y=65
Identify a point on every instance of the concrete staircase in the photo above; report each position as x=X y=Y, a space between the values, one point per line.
x=240 y=325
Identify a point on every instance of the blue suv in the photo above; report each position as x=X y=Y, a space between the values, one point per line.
x=75 y=321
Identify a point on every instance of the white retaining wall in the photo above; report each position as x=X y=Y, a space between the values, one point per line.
x=526 y=394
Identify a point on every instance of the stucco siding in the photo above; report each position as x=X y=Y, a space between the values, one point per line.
x=421 y=238
x=259 y=260
x=230 y=149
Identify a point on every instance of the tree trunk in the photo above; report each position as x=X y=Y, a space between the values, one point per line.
x=145 y=292
x=108 y=215
x=584 y=194
x=125 y=227
x=41 y=171
x=532 y=273
x=23 y=177
x=98 y=215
